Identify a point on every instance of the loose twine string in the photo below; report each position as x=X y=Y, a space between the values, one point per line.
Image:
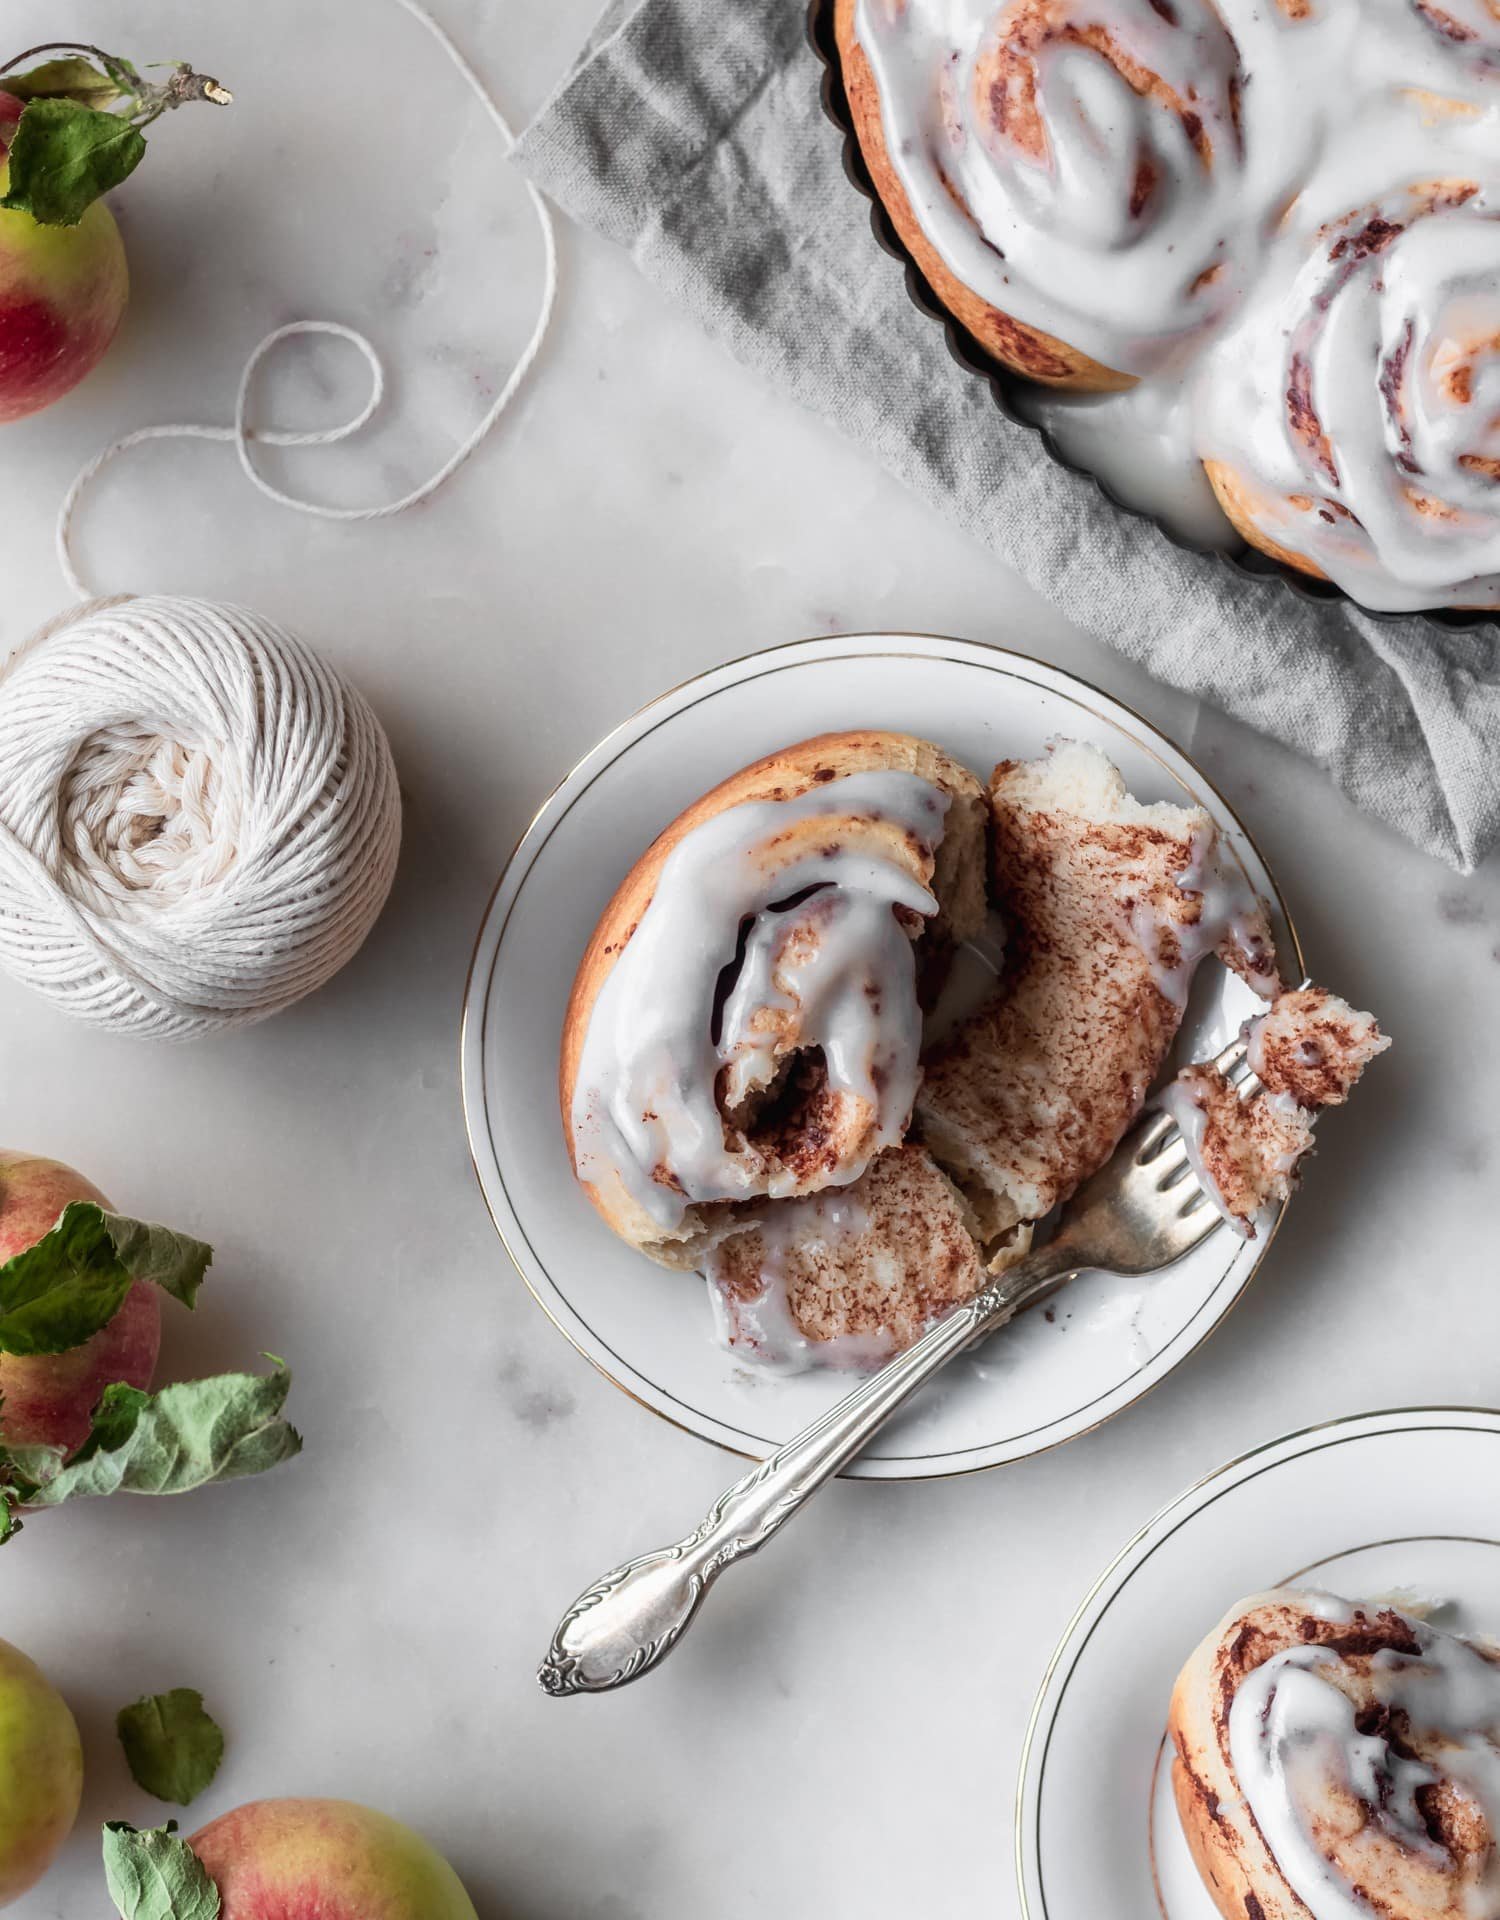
x=240 y=433
x=200 y=819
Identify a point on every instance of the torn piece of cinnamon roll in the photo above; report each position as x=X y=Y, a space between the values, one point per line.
x=1110 y=907
x=1307 y=1051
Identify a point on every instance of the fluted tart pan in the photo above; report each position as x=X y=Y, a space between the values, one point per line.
x=1007 y=388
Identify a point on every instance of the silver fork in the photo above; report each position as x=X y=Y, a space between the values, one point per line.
x=1132 y=1217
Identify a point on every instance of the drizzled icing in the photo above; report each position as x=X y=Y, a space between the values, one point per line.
x=1376 y=328
x=1081 y=164
x=1229 y=914
x=763 y=1328
x=1183 y=1101
x=1286 y=217
x=1295 y=1742
x=823 y=963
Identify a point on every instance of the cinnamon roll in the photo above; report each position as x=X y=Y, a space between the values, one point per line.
x=748 y=1084
x=1333 y=1760
x=1307 y=1052
x=1351 y=416
x=1067 y=173
x=745 y=1023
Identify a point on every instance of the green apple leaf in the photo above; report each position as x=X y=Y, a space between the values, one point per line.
x=152 y=1875
x=60 y=1292
x=183 y=1437
x=171 y=1261
x=172 y=1745
x=64 y=155
x=72 y=78
x=115 y=1419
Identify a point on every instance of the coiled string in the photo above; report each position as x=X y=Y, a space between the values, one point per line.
x=240 y=434
x=199 y=821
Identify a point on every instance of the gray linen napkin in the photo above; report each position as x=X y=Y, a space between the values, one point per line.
x=692 y=133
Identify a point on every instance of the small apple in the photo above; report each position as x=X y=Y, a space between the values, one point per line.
x=325 y=1860
x=48 y=1399
x=62 y=295
x=41 y=1773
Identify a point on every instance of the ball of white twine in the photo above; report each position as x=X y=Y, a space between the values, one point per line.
x=199 y=818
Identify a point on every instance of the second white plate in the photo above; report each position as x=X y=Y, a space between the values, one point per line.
x=1366 y=1508
x=1042 y=1381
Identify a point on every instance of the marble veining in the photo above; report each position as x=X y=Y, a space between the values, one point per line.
x=649 y=510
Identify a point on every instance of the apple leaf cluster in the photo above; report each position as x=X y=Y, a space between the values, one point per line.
x=181 y=1437
x=81 y=133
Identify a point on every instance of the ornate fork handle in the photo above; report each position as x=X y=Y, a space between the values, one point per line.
x=630 y=1619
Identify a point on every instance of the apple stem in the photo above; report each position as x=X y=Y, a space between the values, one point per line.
x=186 y=85
x=150 y=99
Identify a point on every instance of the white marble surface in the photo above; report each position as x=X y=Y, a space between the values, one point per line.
x=840 y=1734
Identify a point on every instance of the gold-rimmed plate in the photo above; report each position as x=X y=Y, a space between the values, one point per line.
x=1044 y=1380
x=1371 y=1507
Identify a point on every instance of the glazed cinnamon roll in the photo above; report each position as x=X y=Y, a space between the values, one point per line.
x=1071 y=175
x=1334 y=1761
x=1351 y=418
x=748 y=1084
x=746 y=1021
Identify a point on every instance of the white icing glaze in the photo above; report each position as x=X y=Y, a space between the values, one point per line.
x=1230 y=914
x=763 y=1329
x=1139 y=444
x=1127 y=222
x=1309 y=1053
x=834 y=970
x=1292 y=1735
x=1353 y=365
x=1181 y=1101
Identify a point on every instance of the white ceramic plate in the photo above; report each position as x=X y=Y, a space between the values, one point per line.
x=1041 y=1381
x=1370 y=1507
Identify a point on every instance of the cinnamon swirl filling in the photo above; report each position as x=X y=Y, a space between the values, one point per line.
x=1340 y=1760
x=1382 y=334
x=1080 y=163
